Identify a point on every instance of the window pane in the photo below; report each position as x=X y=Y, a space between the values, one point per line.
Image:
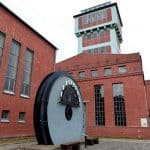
x=5 y=115
x=99 y=15
x=12 y=85
x=107 y=71
x=119 y=105
x=29 y=55
x=122 y=69
x=11 y=72
x=94 y=73
x=88 y=36
x=13 y=60
x=104 y=15
x=9 y=84
x=12 y=67
x=2 y=39
x=117 y=89
x=27 y=66
x=95 y=35
x=81 y=74
x=22 y=116
x=102 y=34
x=15 y=48
x=26 y=77
x=1 y=51
x=25 y=89
x=99 y=105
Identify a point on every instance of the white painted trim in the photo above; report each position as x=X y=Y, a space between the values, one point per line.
x=21 y=121
x=5 y=120
x=24 y=96
x=9 y=92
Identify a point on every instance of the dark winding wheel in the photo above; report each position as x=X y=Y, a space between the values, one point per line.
x=58 y=110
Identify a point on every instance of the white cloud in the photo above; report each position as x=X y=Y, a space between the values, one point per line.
x=54 y=20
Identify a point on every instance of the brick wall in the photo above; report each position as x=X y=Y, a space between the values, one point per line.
x=147 y=88
x=43 y=63
x=134 y=91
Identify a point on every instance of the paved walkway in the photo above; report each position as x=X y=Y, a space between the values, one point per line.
x=121 y=144
x=104 y=144
x=28 y=146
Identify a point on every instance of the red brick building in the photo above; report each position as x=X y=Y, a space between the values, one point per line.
x=22 y=67
x=114 y=88
x=112 y=84
x=147 y=88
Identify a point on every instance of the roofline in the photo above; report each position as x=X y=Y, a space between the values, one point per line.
x=110 y=5
x=27 y=25
x=100 y=55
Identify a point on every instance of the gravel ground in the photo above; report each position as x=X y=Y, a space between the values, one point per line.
x=104 y=144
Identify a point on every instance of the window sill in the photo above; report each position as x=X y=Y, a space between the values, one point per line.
x=5 y=121
x=25 y=96
x=9 y=92
x=122 y=72
x=21 y=122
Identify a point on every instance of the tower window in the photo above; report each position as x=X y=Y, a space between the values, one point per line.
x=94 y=73
x=10 y=79
x=104 y=14
x=95 y=50
x=119 y=105
x=26 y=82
x=88 y=37
x=94 y=17
x=99 y=105
x=84 y=19
x=102 y=50
x=102 y=34
x=107 y=71
x=21 y=117
x=99 y=15
x=122 y=69
x=2 y=40
x=5 y=116
x=95 y=35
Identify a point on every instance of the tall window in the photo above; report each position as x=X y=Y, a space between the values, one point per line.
x=2 y=40
x=26 y=82
x=99 y=105
x=12 y=67
x=119 y=105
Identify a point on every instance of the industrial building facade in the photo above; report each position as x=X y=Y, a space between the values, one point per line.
x=112 y=84
x=22 y=50
x=113 y=88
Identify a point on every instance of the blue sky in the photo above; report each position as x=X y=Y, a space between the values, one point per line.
x=54 y=20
